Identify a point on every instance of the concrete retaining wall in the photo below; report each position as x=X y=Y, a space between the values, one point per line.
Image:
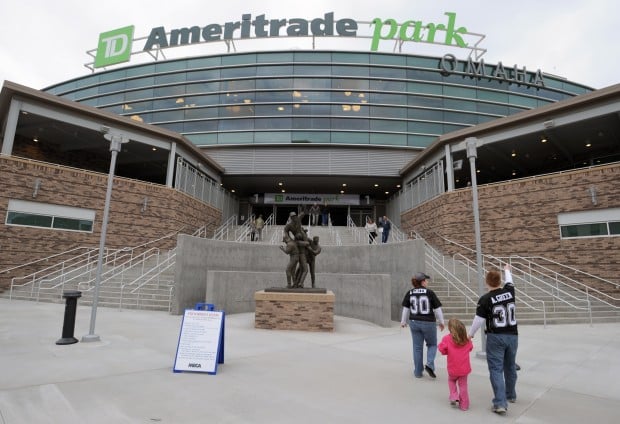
x=355 y=270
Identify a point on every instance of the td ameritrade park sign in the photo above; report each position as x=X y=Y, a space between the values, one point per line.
x=116 y=46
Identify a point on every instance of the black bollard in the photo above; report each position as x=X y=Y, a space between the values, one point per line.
x=69 y=324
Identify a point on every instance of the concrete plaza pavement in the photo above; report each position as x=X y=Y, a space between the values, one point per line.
x=360 y=373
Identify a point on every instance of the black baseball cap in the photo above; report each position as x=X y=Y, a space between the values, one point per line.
x=421 y=276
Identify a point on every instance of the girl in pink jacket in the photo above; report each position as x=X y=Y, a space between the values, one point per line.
x=457 y=346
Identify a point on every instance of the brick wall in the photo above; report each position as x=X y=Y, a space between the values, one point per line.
x=167 y=211
x=520 y=218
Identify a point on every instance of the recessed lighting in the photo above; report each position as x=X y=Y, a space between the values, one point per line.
x=514 y=173
x=35 y=139
x=387 y=192
x=341 y=191
x=376 y=185
x=154 y=149
x=232 y=191
x=397 y=185
x=513 y=154
x=283 y=191
x=543 y=140
x=477 y=171
x=344 y=184
x=589 y=145
x=280 y=183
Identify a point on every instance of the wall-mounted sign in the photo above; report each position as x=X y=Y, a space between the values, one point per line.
x=309 y=199
x=116 y=46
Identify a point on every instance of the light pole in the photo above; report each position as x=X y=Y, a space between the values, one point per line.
x=470 y=143
x=116 y=141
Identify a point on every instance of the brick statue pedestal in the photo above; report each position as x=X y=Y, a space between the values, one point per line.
x=294 y=310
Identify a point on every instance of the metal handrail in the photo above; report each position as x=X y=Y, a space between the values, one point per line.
x=225 y=228
x=156 y=272
x=47 y=258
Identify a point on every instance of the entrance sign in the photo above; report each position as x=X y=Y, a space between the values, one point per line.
x=201 y=341
x=308 y=199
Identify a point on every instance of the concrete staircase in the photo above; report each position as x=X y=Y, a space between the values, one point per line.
x=146 y=284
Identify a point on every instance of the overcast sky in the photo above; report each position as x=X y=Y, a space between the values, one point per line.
x=44 y=42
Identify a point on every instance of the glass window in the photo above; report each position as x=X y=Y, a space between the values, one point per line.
x=244 y=71
x=350 y=137
x=235 y=124
x=139 y=94
x=141 y=70
x=425 y=114
x=140 y=82
x=272 y=137
x=171 y=65
x=311 y=83
x=274 y=83
x=212 y=99
x=424 y=62
x=274 y=70
x=203 y=87
x=274 y=57
x=170 y=90
x=455 y=91
x=492 y=109
x=388 y=125
x=28 y=219
x=273 y=96
x=235 y=138
x=203 y=74
x=274 y=123
x=170 y=78
x=202 y=139
x=170 y=115
x=419 y=87
x=459 y=104
x=420 y=140
x=388 y=112
x=493 y=96
x=311 y=123
x=614 y=228
x=204 y=62
x=239 y=59
x=87 y=92
x=350 y=84
x=389 y=139
x=349 y=124
x=113 y=98
x=425 y=127
x=584 y=230
x=463 y=118
x=199 y=126
x=349 y=70
x=201 y=112
x=313 y=57
x=310 y=137
x=112 y=87
x=386 y=85
x=112 y=75
x=384 y=72
x=338 y=57
x=168 y=103
x=172 y=126
x=522 y=101
x=388 y=99
x=417 y=74
x=236 y=85
x=388 y=59
x=72 y=224
x=312 y=70
x=236 y=110
x=311 y=109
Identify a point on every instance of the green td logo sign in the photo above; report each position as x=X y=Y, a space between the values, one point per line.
x=114 y=47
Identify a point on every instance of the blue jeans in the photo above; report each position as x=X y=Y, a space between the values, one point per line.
x=422 y=331
x=384 y=236
x=501 y=354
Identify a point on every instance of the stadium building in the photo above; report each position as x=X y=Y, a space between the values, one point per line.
x=359 y=130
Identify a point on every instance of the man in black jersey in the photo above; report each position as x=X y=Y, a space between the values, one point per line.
x=496 y=310
x=422 y=310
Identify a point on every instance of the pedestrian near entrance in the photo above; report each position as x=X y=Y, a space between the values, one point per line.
x=315 y=212
x=259 y=224
x=456 y=346
x=386 y=224
x=371 y=228
x=496 y=310
x=422 y=311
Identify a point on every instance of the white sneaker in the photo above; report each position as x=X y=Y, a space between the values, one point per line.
x=499 y=410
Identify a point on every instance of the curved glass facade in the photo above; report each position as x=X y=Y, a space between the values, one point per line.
x=309 y=97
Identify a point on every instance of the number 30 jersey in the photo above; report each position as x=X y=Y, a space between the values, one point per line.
x=497 y=307
x=421 y=303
